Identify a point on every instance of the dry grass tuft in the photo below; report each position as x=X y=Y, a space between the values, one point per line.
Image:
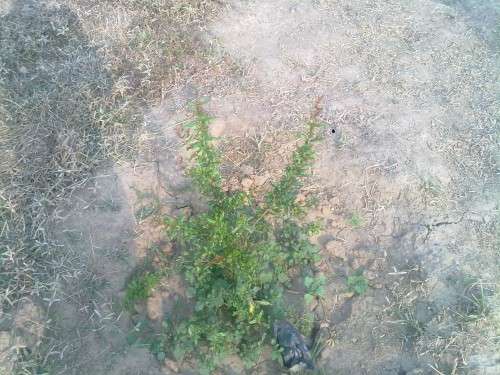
x=447 y=331
x=72 y=95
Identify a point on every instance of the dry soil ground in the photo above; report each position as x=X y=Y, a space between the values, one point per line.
x=91 y=96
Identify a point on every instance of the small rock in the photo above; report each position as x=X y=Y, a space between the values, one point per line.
x=336 y=249
x=171 y=365
x=247 y=183
x=325 y=210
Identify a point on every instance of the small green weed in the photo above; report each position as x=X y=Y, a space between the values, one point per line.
x=315 y=287
x=413 y=328
x=146 y=211
x=237 y=256
x=473 y=304
x=357 y=283
x=140 y=288
x=302 y=320
x=431 y=186
x=356 y=220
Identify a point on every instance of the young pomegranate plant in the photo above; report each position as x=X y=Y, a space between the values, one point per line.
x=238 y=256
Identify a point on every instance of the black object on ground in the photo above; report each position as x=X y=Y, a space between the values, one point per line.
x=294 y=350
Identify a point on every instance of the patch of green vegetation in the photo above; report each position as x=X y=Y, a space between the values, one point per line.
x=431 y=186
x=315 y=287
x=302 y=320
x=356 y=220
x=357 y=283
x=67 y=108
x=237 y=256
x=474 y=301
x=146 y=211
x=140 y=288
x=143 y=335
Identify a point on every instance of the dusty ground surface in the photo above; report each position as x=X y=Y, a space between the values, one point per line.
x=407 y=186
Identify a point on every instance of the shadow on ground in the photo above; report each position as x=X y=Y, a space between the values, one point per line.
x=58 y=271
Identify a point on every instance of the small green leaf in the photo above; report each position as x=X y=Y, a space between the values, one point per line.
x=321 y=279
x=356 y=220
x=179 y=353
x=357 y=284
x=308 y=298
x=160 y=356
x=360 y=288
x=308 y=281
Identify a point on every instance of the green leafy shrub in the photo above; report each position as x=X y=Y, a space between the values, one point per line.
x=357 y=283
x=140 y=287
x=237 y=257
x=314 y=286
x=356 y=220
